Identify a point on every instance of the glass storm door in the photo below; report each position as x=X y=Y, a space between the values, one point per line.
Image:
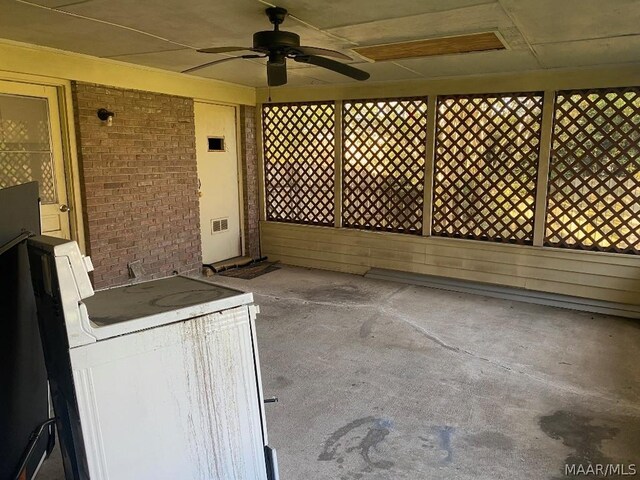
x=31 y=149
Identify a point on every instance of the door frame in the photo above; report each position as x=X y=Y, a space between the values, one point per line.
x=239 y=156
x=69 y=147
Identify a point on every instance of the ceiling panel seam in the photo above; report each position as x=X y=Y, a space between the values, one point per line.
x=313 y=27
x=83 y=17
x=450 y=10
x=146 y=52
x=407 y=68
x=590 y=39
x=72 y=4
x=517 y=25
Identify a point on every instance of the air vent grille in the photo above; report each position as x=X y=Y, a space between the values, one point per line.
x=477 y=42
x=219 y=225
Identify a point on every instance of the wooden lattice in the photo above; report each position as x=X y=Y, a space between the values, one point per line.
x=384 y=144
x=486 y=165
x=299 y=155
x=25 y=156
x=593 y=201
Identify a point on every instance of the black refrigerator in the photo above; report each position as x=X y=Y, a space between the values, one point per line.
x=25 y=437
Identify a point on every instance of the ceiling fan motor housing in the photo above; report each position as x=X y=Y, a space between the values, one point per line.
x=269 y=41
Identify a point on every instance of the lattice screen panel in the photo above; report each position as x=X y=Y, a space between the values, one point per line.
x=299 y=153
x=384 y=144
x=594 y=180
x=25 y=156
x=486 y=165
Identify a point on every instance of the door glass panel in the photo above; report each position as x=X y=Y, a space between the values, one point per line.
x=25 y=144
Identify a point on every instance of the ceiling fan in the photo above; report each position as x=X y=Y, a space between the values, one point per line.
x=277 y=46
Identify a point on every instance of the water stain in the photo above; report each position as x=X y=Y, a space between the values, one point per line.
x=444 y=439
x=367 y=328
x=578 y=433
x=335 y=294
x=282 y=382
x=375 y=435
x=491 y=440
x=352 y=476
x=377 y=431
x=333 y=442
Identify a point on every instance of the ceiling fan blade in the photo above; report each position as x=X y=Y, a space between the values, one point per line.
x=321 y=51
x=215 y=62
x=276 y=73
x=337 y=67
x=221 y=49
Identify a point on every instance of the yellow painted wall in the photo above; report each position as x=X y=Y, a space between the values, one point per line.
x=20 y=62
x=20 y=58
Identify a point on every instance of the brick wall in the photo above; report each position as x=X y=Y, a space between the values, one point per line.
x=250 y=181
x=139 y=182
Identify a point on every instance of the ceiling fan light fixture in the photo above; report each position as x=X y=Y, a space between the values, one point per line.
x=277 y=59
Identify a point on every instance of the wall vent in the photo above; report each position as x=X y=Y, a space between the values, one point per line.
x=215 y=144
x=219 y=225
x=477 y=42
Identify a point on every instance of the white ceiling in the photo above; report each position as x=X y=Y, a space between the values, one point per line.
x=165 y=33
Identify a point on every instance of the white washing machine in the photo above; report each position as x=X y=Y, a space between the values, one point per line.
x=157 y=380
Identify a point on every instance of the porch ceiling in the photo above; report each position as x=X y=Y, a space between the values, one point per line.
x=164 y=34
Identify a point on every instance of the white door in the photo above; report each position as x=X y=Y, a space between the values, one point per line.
x=217 y=155
x=31 y=149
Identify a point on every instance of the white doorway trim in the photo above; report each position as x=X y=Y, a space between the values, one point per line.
x=69 y=147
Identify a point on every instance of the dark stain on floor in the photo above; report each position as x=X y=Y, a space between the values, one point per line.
x=491 y=440
x=578 y=433
x=282 y=382
x=444 y=434
x=335 y=294
x=377 y=431
x=375 y=435
x=367 y=327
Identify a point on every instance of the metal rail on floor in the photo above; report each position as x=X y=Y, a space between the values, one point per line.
x=508 y=293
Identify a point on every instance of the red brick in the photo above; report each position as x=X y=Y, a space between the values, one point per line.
x=250 y=180
x=134 y=173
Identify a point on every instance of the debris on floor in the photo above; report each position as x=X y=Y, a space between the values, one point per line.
x=209 y=269
x=240 y=267
x=251 y=271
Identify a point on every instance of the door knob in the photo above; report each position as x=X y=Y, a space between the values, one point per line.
x=64 y=208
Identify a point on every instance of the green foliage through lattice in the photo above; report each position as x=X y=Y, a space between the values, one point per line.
x=593 y=202
x=486 y=164
x=383 y=157
x=299 y=156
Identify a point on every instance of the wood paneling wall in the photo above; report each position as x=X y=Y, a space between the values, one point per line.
x=608 y=277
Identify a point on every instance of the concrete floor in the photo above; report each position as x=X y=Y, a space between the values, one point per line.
x=378 y=380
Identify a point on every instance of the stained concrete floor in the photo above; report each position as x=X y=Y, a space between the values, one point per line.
x=379 y=380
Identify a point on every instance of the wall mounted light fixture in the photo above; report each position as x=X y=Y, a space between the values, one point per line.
x=106 y=116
